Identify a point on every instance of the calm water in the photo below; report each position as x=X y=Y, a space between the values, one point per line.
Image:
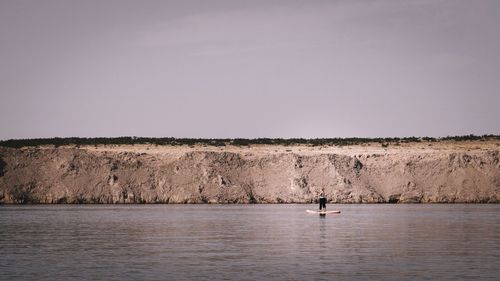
x=249 y=242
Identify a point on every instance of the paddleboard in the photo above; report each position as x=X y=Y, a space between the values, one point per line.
x=323 y=212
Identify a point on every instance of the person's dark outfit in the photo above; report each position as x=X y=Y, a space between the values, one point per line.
x=322 y=203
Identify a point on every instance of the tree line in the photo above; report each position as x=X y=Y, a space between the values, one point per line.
x=18 y=143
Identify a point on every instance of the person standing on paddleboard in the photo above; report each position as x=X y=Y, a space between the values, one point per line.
x=322 y=201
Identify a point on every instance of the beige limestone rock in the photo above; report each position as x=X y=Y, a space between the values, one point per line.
x=408 y=173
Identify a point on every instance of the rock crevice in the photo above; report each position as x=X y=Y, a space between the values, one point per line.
x=78 y=175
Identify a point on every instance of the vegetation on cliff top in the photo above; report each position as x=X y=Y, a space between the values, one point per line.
x=18 y=143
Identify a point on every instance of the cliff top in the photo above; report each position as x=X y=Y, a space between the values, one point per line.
x=390 y=147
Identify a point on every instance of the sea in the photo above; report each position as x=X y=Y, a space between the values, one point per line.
x=250 y=242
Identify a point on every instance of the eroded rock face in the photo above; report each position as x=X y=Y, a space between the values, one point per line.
x=74 y=175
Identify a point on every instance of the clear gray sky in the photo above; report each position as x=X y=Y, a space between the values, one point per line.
x=249 y=68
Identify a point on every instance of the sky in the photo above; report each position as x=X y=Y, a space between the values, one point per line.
x=249 y=69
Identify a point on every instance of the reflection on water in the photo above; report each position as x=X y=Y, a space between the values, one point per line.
x=249 y=242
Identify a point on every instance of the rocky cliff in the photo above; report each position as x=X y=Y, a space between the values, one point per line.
x=266 y=174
